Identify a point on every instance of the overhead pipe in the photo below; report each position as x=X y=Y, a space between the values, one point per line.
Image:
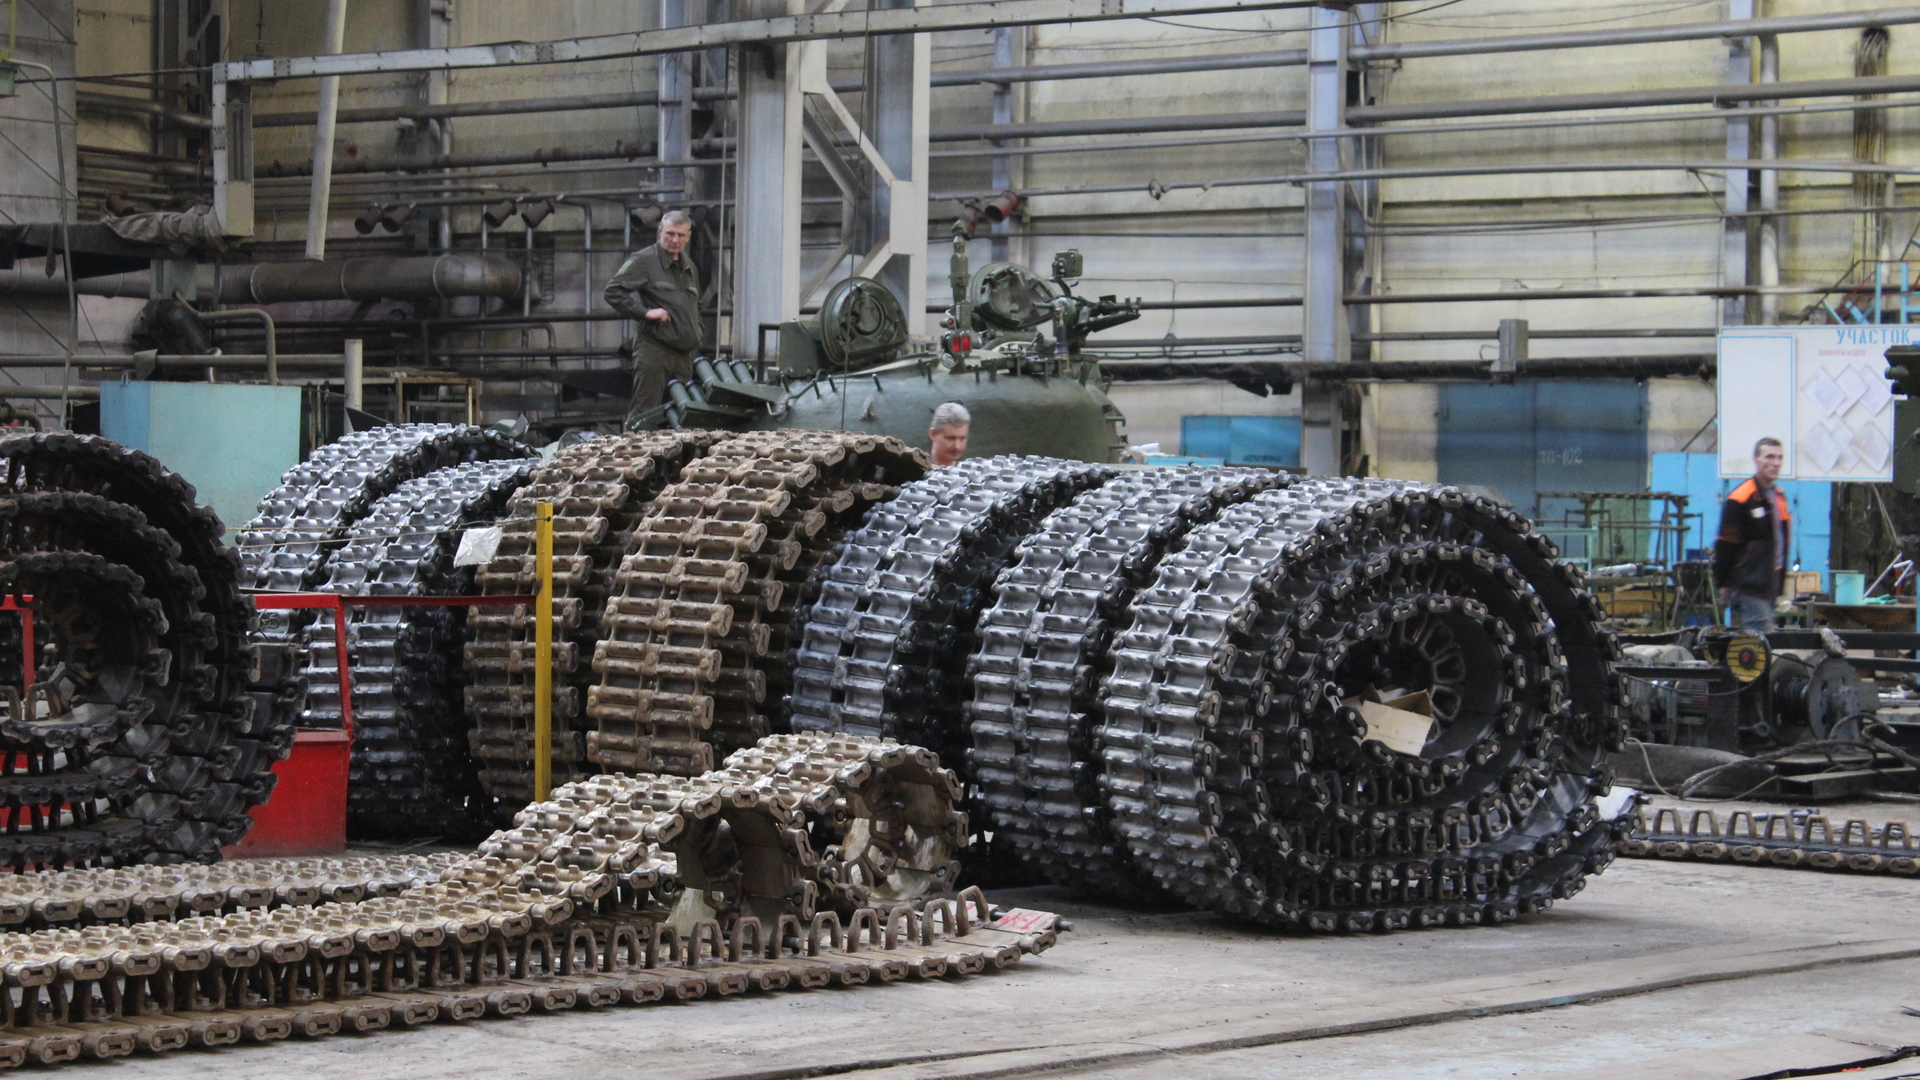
x=266 y=322
x=1158 y=189
x=133 y=106
x=1361 y=115
x=1164 y=369
x=618 y=151
x=418 y=277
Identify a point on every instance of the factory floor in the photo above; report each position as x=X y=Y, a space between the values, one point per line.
x=1659 y=969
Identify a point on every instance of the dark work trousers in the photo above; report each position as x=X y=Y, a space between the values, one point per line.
x=653 y=365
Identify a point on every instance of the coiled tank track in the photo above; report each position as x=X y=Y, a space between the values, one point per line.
x=152 y=723
x=412 y=772
x=1155 y=680
x=1214 y=748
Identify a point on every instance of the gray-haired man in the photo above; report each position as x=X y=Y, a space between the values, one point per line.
x=659 y=289
x=949 y=433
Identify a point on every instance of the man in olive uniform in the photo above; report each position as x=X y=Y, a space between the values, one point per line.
x=659 y=289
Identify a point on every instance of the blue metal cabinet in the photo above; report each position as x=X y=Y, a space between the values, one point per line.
x=231 y=442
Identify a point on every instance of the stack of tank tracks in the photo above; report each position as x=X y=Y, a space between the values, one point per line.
x=1156 y=680
x=1167 y=686
x=804 y=863
x=1790 y=838
x=151 y=724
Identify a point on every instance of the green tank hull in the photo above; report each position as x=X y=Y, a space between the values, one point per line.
x=1054 y=415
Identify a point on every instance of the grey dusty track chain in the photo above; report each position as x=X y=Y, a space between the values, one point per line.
x=697 y=626
x=1791 y=839
x=1242 y=778
x=885 y=644
x=1042 y=655
x=301 y=523
x=412 y=772
x=615 y=891
x=600 y=490
x=171 y=723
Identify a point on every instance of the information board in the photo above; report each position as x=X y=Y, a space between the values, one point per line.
x=1821 y=390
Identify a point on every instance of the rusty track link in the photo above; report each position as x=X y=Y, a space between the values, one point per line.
x=147 y=893
x=711 y=576
x=600 y=489
x=582 y=903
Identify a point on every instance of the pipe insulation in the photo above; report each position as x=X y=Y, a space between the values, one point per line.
x=377 y=278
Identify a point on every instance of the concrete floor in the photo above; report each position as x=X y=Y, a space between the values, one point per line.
x=1658 y=969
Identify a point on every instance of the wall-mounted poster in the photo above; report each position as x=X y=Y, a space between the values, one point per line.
x=1821 y=390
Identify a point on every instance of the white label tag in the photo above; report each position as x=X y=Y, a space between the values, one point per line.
x=1021 y=920
x=477 y=546
x=1759 y=511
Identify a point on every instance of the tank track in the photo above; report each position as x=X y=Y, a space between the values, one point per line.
x=1239 y=771
x=1042 y=656
x=600 y=489
x=886 y=642
x=703 y=599
x=1808 y=842
x=582 y=903
x=173 y=718
x=155 y=893
x=412 y=774
x=304 y=521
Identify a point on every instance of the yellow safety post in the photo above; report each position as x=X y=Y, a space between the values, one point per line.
x=543 y=652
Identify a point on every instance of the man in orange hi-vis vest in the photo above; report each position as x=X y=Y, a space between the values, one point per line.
x=1750 y=553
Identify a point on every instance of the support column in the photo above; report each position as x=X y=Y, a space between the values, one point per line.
x=318 y=201
x=1326 y=337
x=766 y=263
x=1735 y=240
x=435 y=32
x=1769 y=188
x=1002 y=114
x=676 y=103
x=899 y=68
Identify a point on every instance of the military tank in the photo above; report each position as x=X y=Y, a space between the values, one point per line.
x=1012 y=352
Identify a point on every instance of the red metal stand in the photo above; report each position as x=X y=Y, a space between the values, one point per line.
x=19 y=604
x=307 y=814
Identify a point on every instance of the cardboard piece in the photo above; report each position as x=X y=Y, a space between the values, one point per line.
x=1401 y=723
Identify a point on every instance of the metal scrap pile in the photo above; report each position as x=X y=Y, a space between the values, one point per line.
x=151 y=724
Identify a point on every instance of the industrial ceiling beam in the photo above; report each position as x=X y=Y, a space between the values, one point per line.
x=776 y=30
x=1736 y=29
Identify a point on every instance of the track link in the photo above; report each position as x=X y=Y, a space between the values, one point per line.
x=153 y=724
x=886 y=643
x=601 y=896
x=710 y=581
x=600 y=490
